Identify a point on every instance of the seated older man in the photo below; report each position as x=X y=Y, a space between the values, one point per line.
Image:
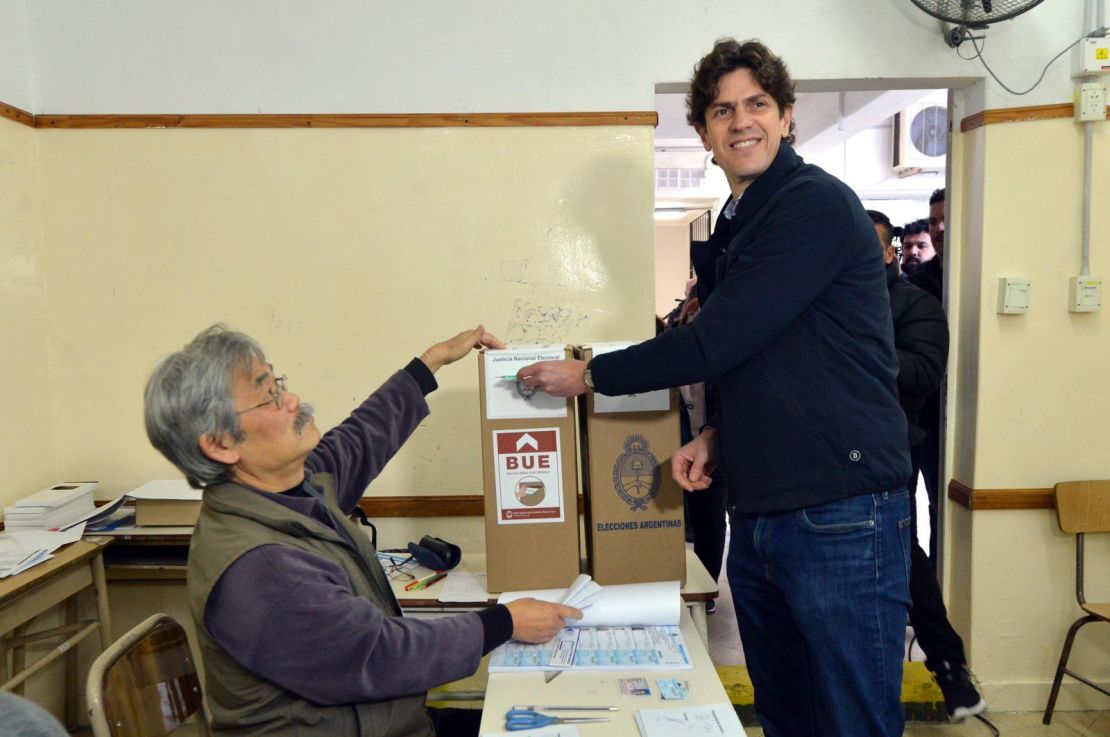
x=299 y=629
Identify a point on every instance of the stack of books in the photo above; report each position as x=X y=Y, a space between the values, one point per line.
x=52 y=508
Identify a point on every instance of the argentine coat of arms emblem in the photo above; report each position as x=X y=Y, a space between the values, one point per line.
x=637 y=476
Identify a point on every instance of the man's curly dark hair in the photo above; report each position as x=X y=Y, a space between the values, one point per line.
x=729 y=55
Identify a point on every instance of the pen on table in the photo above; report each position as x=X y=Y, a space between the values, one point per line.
x=566 y=708
x=423 y=583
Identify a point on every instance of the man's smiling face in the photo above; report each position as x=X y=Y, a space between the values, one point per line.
x=743 y=128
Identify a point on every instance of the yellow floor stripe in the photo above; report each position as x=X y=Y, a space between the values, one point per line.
x=920 y=694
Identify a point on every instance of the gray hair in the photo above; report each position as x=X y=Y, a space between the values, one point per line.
x=189 y=396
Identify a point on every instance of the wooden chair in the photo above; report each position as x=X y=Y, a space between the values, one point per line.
x=145 y=684
x=1081 y=507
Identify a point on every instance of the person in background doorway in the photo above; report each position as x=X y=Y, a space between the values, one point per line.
x=931 y=275
x=921 y=342
x=926 y=454
x=705 y=509
x=917 y=246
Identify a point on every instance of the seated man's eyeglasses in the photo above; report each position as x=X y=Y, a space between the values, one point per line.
x=275 y=396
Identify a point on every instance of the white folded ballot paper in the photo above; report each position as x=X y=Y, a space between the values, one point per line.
x=628 y=626
x=655 y=603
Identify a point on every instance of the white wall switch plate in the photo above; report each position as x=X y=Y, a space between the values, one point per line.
x=1013 y=295
x=1084 y=294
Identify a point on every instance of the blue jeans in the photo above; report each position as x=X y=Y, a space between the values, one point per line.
x=821 y=598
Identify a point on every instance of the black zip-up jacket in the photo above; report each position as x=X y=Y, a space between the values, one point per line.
x=921 y=341
x=796 y=333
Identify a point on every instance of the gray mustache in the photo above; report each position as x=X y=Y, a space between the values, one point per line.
x=305 y=412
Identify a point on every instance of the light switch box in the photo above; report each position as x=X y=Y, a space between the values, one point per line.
x=1084 y=294
x=1013 y=295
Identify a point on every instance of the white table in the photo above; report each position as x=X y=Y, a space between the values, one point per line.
x=699 y=589
x=601 y=688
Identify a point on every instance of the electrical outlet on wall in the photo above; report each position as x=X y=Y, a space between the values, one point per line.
x=1090 y=101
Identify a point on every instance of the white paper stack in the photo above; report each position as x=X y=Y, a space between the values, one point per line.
x=52 y=508
x=695 y=721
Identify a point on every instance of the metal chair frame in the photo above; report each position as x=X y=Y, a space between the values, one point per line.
x=1080 y=529
x=154 y=658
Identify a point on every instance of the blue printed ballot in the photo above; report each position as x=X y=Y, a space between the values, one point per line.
x=629 y=626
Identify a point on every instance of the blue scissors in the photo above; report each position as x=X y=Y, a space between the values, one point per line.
x=521 y=719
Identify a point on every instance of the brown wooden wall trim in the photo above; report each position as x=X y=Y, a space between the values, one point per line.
x=976 y=499
x=426 y=120
x=1016 y=115
x=14 y=113
x=456 y=505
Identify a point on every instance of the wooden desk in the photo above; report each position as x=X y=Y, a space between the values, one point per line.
x=148 y=554
x=699 y=589
x=26 y=595
x=598 y=688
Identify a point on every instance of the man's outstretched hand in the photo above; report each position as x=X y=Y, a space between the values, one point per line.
x=453 y=349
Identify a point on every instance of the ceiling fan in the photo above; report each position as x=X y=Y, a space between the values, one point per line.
x=962 y=17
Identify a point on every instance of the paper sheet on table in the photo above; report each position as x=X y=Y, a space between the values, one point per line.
x=691 y=721
x=22 y=549
x=178 y=489
x=104 y=511
x=657 y=603
x=462 y=586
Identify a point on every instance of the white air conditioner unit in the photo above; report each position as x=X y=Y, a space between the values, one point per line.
x=921 y=137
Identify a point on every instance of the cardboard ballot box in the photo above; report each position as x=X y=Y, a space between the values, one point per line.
x=634 y=517
x=530 y=475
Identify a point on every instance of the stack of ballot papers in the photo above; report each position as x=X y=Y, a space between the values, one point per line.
x=54 y=508
x=627 y=626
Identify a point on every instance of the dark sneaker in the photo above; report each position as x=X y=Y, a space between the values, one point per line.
x=710 y=606
x=961 y=698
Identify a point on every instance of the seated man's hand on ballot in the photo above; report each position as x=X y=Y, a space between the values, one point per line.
x=453 y=349
x=538 y=621
x=558 y=378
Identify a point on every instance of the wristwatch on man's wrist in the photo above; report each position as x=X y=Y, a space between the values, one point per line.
x=588 y=378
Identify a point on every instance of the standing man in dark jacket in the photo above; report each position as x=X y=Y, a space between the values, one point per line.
x=299 y=629
x=921 y=341
x=795 y=330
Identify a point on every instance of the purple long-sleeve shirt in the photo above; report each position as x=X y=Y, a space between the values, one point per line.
x=291 y=617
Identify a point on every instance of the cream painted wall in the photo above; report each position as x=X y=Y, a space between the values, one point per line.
x=672 y=264
x=25 y=446
x=345 y=252
x=1030 y=408
x=1040 y=373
